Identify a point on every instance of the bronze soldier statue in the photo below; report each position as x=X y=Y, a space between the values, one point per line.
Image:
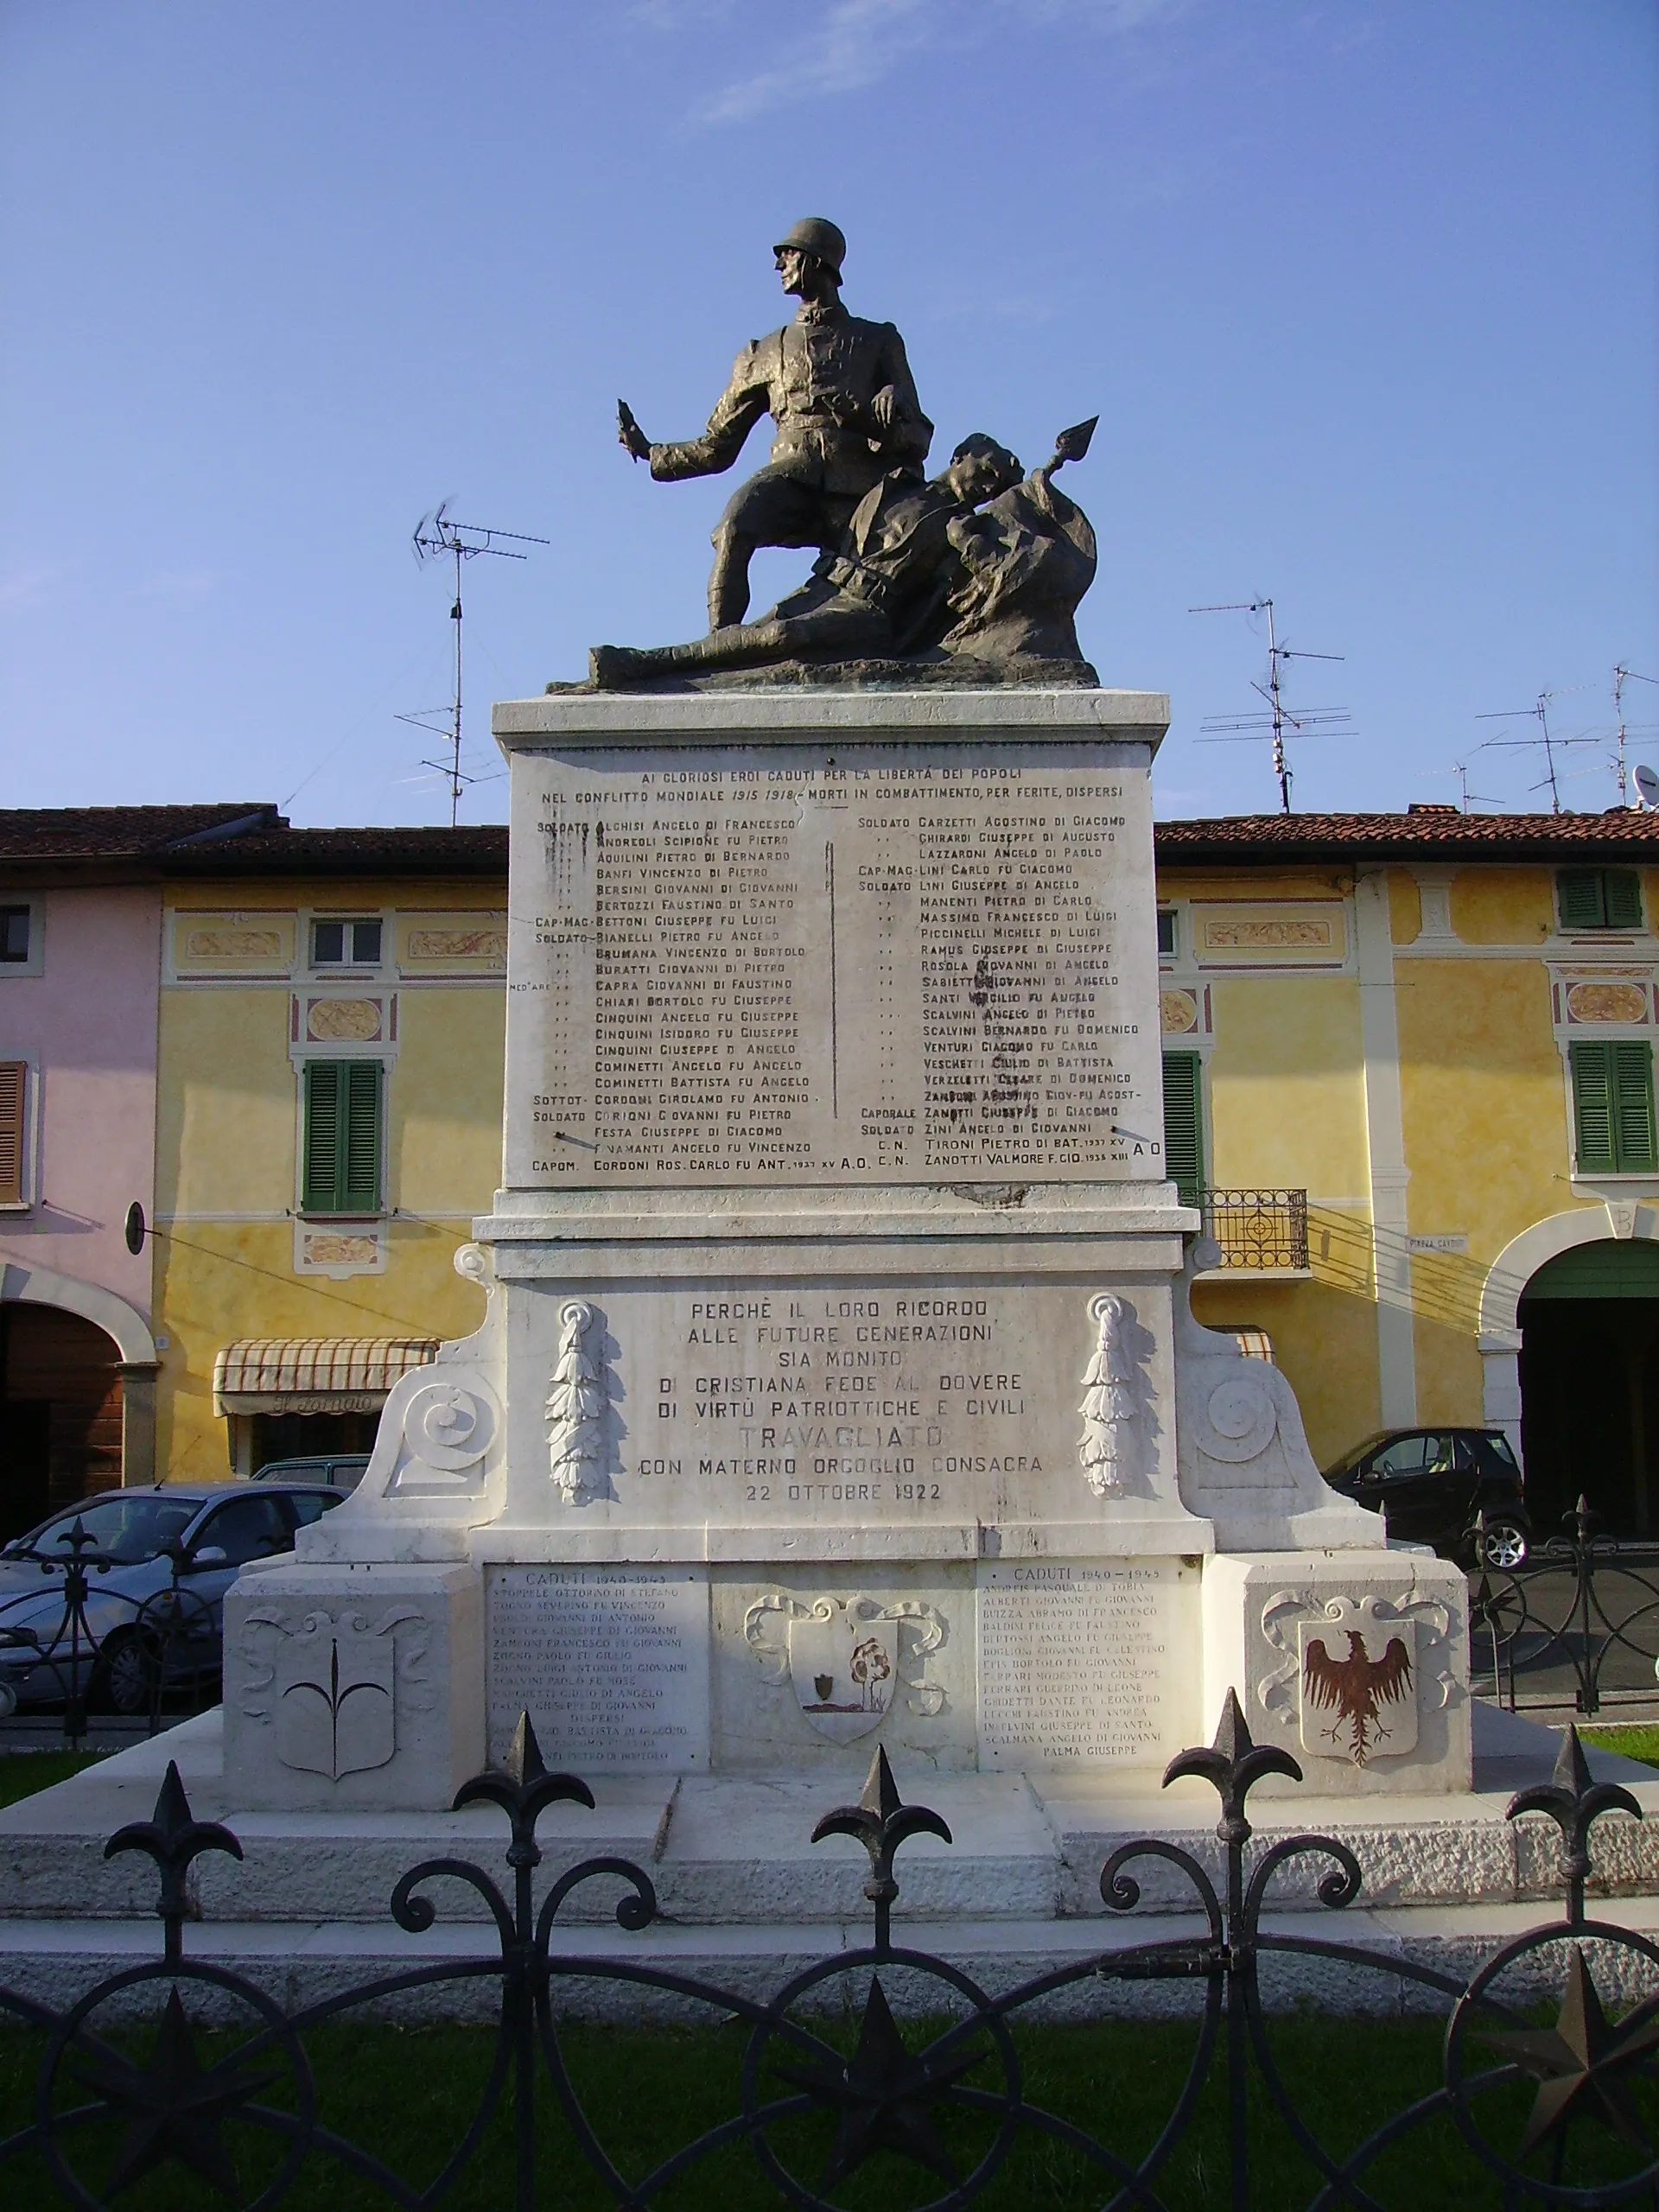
x=885 y=591
x=840 y=391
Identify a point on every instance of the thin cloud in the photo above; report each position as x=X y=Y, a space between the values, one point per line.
x=860 y=41
x=25 y=589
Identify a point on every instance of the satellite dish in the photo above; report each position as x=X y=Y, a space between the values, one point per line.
x=1647 y=785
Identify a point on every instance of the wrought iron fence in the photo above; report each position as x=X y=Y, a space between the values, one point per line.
x=161 y=1651
x=1582 y=2132
x=1264 y=1232
x=1579 y=1620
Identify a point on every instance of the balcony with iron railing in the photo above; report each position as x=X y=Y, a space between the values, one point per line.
x=1260 y=1232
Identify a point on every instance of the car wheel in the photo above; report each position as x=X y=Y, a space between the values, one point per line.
x=122 y=1683
x=1502 y=1543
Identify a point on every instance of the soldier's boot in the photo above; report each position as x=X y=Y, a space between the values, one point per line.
x=728 y=585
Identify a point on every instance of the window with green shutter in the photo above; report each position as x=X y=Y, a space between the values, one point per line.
x=1598 y=899
x=1184 y=1124
x=342 y=1137
x=1612 y=1106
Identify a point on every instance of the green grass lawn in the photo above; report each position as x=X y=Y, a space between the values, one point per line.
x=21 y=1773
x=407 y=2097
x=1635 y=1743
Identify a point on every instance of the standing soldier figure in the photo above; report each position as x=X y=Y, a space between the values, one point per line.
x=839 y=390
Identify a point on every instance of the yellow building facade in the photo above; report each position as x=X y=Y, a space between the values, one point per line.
x=1431 y=1037
x=1408 y=1066
x=328 y=1081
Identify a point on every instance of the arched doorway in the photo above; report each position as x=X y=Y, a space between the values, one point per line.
x=61 y=1412
x=1589 y=1371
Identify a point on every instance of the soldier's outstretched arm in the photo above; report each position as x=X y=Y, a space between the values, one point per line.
x=738 y=409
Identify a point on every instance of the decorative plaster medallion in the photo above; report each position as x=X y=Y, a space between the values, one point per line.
x=843 y=1657
x=488 y=944
x=330 y=1686
x=343 y=1021
x=1607 y=1003
x=578 y=1405
x=233 y=944
x=1111 y=1402
x=1178 y=1012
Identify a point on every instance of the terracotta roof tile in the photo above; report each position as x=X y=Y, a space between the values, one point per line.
x=1262 y=839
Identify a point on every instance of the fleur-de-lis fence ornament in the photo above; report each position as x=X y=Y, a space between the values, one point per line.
x=1108 y=1407
x=1575 y=1802
x=578 y=1408
x=881 y=1822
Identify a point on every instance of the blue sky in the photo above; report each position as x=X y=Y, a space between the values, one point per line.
x=1363 y=295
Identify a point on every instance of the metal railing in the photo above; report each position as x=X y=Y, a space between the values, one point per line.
x=1262 y=1232
x=1552 y=2114
x=1580 y=1622
x=166 y=1650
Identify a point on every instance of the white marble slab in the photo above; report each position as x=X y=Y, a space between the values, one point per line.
x=611 y=1663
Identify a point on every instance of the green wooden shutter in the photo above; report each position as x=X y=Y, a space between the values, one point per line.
x=360 y=1150
x=319 y=1175
x=1579 y=890
x=1184 y=1124
x=1621 y=895
x=341 y=1169
x=1632 y=1100
x=1591 y=1066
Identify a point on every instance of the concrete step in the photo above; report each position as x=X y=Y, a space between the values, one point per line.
x=736 y=1850
x=55 y=1961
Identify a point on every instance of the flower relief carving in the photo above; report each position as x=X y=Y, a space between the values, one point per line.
x=846 y=1657
x=580 y=1422
x=332 y=1686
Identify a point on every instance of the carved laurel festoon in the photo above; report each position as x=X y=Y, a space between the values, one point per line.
x=1110 y=1407
x=578 y=1405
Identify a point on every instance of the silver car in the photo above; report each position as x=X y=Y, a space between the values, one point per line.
x=157 y=1564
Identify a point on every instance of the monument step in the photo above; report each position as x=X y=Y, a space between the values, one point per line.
x=54 y=1961
x=736 y=1850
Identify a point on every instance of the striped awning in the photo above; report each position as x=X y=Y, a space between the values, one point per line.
x=314 y=1375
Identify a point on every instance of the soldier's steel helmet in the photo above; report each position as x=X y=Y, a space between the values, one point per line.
x=814 y=235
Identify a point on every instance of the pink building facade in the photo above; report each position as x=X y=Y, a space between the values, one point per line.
x=81 y=918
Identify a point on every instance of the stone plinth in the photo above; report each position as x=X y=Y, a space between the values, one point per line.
x=839 y=1384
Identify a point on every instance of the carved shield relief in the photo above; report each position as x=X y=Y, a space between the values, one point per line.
x=334 y=1700
x=844 y=1668
x=1357 y=1676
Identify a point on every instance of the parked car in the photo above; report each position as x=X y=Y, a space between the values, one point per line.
x=340 y=1470
x=132 y=1618
x=1433 y=1484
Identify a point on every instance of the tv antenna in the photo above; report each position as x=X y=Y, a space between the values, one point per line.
x=1279 y=720
x=1460 y=769
x=1621 y=676
x=436 y=537
x=1548 y=741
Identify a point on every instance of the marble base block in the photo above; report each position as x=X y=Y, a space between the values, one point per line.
x=1355 y=1662
x=351 y=1688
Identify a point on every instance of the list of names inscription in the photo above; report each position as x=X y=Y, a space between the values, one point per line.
x=737 y=967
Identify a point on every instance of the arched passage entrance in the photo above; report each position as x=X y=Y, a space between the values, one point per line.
x=1589 y=1371
x=60 y=1419
x=77 y=1393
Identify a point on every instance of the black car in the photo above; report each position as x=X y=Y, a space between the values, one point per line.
x=1433 y=1484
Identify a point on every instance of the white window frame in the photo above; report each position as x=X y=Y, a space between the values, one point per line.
x=359 y=970
x=16 y=970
